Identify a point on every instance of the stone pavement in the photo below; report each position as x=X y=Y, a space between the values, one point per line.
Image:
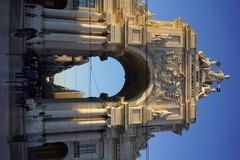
x=4 y=70
x=11 y=120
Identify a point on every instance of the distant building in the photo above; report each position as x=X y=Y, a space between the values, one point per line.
x=165 y=76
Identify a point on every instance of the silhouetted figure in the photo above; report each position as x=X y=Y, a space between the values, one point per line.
x=26 y=33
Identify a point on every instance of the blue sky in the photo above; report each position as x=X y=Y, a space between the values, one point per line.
x=216 y=133
x=106 y=76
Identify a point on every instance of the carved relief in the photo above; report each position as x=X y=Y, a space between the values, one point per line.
x=161 y=114
x=168 y=75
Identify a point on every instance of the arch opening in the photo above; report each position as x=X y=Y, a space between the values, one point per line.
x=137 y=76
x=125 y=76
x=93 y=79
x=54 y=4
x=58 y=150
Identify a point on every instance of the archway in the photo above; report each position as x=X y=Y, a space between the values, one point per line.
x=134 y=85
x=95 y=78
x=49 y=151
x=137 y=74
x=55 y=4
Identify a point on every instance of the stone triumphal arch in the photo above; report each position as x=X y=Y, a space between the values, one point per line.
x=165 y=75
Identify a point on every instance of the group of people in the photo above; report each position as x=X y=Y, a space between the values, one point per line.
x=28 y=80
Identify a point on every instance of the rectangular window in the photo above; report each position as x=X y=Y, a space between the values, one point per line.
x=87 y=148
x=76 y=152
x=87 y=3
x=197 y=76
x=84 y=148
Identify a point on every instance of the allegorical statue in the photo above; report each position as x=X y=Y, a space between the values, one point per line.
x=217 y=77
x=210 y=76
x=205 y=91
x=205 y=61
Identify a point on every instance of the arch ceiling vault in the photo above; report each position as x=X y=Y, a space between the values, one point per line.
x=165 y=75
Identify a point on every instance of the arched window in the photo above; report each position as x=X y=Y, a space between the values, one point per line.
x=49 y=151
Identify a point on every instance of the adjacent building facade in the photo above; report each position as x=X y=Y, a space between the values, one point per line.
x=165 y=76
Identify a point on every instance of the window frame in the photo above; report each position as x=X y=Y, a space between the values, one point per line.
x=95 y=8
x=96 y=146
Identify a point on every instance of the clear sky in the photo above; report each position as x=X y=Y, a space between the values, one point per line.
x=215 y=136
x=106 y=76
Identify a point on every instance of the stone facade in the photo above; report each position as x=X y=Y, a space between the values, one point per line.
x=165 y=76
